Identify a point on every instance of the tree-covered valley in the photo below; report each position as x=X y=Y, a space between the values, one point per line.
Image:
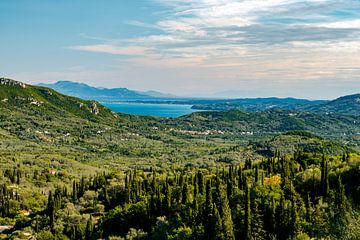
x=73 y=169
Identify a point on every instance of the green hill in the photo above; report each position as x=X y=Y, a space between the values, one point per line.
x=347 y=105
x=272 y=121
x=22 y=97
x=45 y=116
x=294 y=141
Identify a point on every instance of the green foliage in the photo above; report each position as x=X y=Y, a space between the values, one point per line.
x=73 y=170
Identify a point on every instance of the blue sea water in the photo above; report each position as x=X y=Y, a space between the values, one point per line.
x=147 y=109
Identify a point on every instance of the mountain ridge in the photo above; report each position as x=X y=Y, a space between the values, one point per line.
x=347 y=105
x=85 y=91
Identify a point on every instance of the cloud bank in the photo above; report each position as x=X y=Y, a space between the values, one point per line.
x=229 y=44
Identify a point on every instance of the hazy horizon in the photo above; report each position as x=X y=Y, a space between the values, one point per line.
x=306 y=49
x=215 y=95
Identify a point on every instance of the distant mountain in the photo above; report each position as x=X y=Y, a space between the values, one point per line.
x=348 y=105
x=157 y=94
x=85 y=91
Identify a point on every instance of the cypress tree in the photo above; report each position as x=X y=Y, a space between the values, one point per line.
x=216 y=229
x=167 y=199
x=74 y=192
x=256 y=174
x=18 y=176
x=227 y=223
x=257 y=224
x=184 y=194
x=240 y=179
x=341 y=200
x=247 y=221
x=89 y=229
x=51 y=209
x=200 y=179
x=208 y=212
x=322 y=177
x=326 y=183
x=294 y=217
x=208 y=198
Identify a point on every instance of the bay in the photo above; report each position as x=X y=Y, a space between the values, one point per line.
x=147 y=109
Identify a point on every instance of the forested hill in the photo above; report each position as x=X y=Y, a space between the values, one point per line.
x=39 y=104
x=272 y=121
x=20 y=97
x=42 y=114
x=346 y=105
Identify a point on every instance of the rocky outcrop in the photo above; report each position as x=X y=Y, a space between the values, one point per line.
x=94 y=108
x=10 y=82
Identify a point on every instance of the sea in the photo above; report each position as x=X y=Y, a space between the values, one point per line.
x=150 y=109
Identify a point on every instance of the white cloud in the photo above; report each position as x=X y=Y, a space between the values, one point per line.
x=111 y=49
x=223 y=43
x=342 y=24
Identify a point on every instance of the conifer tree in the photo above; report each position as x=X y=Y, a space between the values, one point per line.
x=51 y=209
x=257 y=224
x=184 y=194
x=247 y=221
x=227 y=223
x=216 y=228
x=89 y=229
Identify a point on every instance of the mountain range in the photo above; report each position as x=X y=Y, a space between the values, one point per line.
x=87 y=92
x=346 y=105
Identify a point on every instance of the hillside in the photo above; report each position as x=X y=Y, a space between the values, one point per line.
x=347 y=105
x=72 y=169
x=47 y=110
x=38 y=122
x=51 y=119
x=15 y=95
x=272 y=121
x=85 y=91
x=293 y=141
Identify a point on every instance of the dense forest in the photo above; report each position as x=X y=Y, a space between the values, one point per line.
x=301 y=196
x=72 y=169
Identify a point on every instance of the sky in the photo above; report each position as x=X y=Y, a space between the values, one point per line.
x=203 y=48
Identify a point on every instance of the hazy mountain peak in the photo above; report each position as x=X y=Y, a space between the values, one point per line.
x=85 y=91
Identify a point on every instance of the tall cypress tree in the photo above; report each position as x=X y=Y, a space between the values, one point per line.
x=184 y=194
x=247 y=221
x=227 y=223
x=51 y=209
x=216 y=228
x=89 y=229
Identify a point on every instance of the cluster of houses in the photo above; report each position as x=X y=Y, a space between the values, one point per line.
x=192 y=132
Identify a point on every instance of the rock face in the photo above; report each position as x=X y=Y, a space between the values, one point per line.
x=94 y=109
x=10 y=82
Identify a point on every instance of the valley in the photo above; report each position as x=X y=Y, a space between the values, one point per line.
x=81 y=170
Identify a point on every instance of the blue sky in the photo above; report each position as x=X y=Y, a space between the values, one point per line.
x=223 y=48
